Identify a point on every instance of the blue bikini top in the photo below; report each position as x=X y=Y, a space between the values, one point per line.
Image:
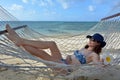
x=80 y=57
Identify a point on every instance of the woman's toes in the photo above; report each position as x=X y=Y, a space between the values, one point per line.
x=7 y=26
x=10 y=30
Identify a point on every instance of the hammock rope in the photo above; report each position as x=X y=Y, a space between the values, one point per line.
x=32 y=65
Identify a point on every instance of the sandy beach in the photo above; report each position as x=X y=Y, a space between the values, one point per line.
x=12 y=75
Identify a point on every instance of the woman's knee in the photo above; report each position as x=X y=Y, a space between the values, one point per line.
x=52 y=43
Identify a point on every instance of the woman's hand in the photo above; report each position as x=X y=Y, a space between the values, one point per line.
x=71 y=59
x=68 y=59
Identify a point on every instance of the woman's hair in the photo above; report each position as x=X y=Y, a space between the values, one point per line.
x=97 y=49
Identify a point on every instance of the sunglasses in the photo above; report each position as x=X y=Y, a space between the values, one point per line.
x=94 y=40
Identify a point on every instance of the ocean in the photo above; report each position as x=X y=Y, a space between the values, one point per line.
x=53 y=27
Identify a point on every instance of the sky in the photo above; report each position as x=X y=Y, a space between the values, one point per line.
x=60 y=10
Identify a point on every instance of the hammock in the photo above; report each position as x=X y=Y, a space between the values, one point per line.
x=16 y=58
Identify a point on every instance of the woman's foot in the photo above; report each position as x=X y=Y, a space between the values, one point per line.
x=13 y=36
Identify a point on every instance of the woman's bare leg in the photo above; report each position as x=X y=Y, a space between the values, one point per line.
x=12 y=35
x=39 y=53
x=55 y=52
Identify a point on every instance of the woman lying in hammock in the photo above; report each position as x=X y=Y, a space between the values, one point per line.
x=90 y=53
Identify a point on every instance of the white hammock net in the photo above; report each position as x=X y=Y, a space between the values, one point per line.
x=17 y=59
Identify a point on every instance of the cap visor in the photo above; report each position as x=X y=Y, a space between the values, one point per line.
x=88 y=36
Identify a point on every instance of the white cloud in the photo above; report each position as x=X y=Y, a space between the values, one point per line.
x=46 y=3
x=16 y=7
x=64 y=3
x=50 y=2
x=33 y=1
x=68 y=3
x=91 y=8
x=43 y=3
x=116 y=5
x=99 y=1
x=115 y=8
x=30 y=1
x=25 y=1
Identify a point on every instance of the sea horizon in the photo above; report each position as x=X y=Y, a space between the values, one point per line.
x=53 y=27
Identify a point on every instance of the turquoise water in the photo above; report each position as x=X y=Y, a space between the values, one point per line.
x=53 y=27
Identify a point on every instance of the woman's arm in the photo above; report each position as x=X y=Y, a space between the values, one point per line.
x=95 y=58
x=74 y=60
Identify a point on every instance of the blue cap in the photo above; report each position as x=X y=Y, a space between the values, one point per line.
x=98 y=37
